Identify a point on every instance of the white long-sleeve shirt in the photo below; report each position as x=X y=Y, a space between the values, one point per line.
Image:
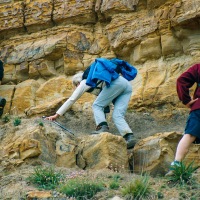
x=79 y=91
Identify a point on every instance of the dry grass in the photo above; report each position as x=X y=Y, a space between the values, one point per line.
x=14 y=184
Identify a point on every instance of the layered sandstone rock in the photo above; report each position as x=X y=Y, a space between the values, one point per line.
x=32 y=143
x=159 y=38
x=155 y=153
x=48 y=143
x=104 y=150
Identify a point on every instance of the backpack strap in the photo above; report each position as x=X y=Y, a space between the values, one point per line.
x=118 y=68
x=85 y=73
x=97 y=87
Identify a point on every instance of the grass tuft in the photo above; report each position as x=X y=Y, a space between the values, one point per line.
x=6 y=118
x=137 y=189
x=46 y=178
x=81 y=189
x=182 y=173
x=17 y=121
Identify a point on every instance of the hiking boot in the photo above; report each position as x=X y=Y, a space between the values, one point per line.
x=130 y=140
x=171 y=169
x=2 y=104
x=100 y=129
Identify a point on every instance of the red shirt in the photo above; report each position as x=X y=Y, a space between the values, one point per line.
x=185 y=82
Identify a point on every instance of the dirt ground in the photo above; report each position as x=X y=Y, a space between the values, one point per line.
x=14 y=184
x=142 y=124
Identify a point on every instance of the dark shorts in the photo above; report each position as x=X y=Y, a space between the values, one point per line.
x=193 y=125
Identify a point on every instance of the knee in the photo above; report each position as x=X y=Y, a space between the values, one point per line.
x=116 y=115
x=95 y=106
x=187 y=138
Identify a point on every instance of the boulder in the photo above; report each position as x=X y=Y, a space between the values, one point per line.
x=155 y=153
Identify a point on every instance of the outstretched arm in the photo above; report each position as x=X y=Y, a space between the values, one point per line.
x=53 y=117
x=79 y=91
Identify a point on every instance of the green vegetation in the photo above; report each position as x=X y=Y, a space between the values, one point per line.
x=137 y=189
x=81 y=188
x=46 y=178
x=41 y=124
x=182 y=173
x=81 y=185
x=17 y=121
x=160 y=195
x=6 y=118
x=114 y=184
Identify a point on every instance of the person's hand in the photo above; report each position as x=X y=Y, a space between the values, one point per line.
x=191 y=102
x=53 y=117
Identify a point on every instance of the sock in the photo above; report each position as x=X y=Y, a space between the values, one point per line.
x=127 y=134
x=174 y=163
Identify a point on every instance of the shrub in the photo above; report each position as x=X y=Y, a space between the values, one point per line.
x=17 y=121
x=116 y=177
x=6 y=118
x=41 y=124
x=137 y=189
x=114 y=185
x=81 y=188
x=182 y=174
x=46 y=178
x=160 y=195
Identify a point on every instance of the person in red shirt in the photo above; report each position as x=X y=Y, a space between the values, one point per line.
x=192 y=129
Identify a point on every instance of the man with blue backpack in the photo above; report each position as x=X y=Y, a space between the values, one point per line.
x=103 y=78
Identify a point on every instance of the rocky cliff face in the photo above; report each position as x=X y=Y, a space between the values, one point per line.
x=43 y=43
x=41 y=40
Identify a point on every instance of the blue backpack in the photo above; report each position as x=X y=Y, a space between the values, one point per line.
x=128 y=71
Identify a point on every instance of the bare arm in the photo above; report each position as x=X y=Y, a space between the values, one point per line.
x=191 y=102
